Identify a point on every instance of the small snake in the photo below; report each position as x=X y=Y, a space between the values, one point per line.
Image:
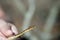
x=27 y=30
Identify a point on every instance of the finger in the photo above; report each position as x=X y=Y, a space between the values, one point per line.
x=8 y=33
x=14 y=29
x=1 y=35
x=5 y=28
x=2 y=38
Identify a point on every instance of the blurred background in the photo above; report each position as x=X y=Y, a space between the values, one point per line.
x=44 y=14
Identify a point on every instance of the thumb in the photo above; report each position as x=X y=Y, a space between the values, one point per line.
x=14 y=29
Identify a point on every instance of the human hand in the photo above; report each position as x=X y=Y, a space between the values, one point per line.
x=7 y=30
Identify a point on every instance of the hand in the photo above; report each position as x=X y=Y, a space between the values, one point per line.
x=6 y=30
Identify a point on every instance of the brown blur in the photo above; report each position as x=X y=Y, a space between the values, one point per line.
x=41 y=14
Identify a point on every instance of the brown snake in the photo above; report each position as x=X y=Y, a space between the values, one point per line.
x=27 y=30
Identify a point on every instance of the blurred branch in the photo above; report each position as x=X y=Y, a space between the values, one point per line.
x=29 y=14
x=28 y=17
x=46 y=35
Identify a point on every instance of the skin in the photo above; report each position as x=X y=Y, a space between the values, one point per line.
x=6 y=29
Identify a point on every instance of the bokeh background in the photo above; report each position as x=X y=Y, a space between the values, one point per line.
x=44 y=14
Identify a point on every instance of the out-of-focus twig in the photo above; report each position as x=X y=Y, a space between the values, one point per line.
x=46 y=35
x=29 y=14
x=28 y=17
